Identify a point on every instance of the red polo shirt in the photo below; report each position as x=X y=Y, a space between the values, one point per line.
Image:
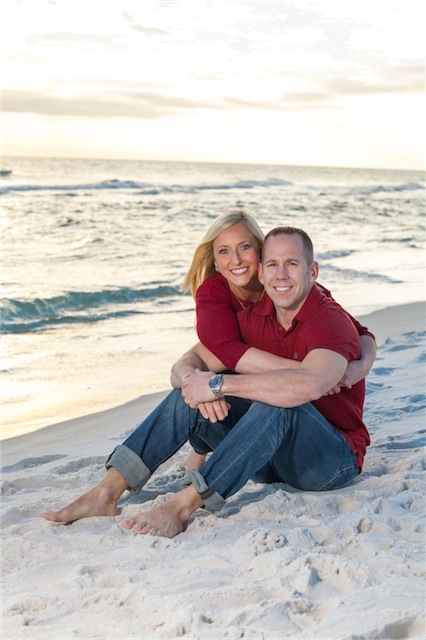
x=320 y=324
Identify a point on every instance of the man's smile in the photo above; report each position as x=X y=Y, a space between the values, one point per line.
x=282 y=289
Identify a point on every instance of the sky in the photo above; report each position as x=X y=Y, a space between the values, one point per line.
x=299 y=82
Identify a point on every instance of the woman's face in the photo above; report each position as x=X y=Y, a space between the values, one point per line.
x=236 y=255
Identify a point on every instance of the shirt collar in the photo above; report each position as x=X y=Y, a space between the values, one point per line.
x=265 y=307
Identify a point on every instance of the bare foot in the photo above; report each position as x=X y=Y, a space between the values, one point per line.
x=168 y=519
x=193 y=461
x=99 y=501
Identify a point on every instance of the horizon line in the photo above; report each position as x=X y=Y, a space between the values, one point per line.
x=272 y=164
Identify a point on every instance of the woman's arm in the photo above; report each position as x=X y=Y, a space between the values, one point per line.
x=186 y=366
x=220 y=335
x=357 y=369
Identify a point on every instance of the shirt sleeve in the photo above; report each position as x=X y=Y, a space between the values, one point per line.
x=333 y=329
x=363 y=331
x=217 y=324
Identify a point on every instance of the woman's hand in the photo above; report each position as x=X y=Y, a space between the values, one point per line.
x=355 y=371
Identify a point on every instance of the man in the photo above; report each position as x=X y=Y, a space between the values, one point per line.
x=275 y=426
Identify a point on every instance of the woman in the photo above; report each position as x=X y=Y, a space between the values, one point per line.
x=223 y=279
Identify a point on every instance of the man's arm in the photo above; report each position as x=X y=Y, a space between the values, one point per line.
x=257 y=361
x=320 y=371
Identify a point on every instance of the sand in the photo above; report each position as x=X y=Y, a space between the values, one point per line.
x=274 y=563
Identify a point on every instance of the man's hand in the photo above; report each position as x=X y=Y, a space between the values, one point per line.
x=196 y=390
x=215 y=411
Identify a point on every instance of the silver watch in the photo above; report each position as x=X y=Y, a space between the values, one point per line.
x=215 y=384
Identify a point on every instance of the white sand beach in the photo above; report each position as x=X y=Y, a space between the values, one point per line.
x=274 y=563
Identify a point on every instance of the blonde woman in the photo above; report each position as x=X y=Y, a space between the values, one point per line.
x=223 y=280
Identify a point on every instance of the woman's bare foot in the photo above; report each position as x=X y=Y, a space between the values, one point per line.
x=193 y=461
x=99 y=501
x=168 y=519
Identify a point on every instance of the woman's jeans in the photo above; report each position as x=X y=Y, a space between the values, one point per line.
x=297 y=446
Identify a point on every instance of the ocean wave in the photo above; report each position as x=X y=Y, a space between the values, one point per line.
x=409 y=186
x=147 y=189
x=352 y=275
x=336 y=253
x=24 y=316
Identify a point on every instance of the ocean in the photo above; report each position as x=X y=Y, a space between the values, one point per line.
x=94 y=253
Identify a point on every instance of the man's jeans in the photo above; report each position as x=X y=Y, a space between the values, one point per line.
x=269 y=444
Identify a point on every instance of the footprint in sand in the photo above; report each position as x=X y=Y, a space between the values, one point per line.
x=79 y=464
x=30 y=482
x=382 y=371
x=264 y=540
x=415 y=402
x=27 y=463
x=398 y=442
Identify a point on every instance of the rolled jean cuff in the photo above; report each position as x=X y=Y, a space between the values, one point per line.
x=130 y=466
x=212 y=500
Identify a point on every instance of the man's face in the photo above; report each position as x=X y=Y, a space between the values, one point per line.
x=285 y=273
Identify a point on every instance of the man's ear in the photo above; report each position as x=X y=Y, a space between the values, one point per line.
x=260 y=273
x=314 y=271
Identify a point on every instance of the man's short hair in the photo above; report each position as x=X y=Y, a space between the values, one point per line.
x=290 y=231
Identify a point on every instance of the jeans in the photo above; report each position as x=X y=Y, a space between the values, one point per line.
x=297 y=446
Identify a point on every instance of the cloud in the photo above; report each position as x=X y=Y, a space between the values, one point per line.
x=88 y=41
x=147 y=31
x=392 y=80
x=147 y=105
x=143 y=105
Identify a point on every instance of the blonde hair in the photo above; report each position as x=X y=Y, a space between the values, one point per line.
x=202 y=265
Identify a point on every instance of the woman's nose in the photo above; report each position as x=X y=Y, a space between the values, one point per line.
x=237 y=257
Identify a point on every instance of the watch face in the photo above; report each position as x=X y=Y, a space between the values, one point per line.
x=215 y=384
x=215 y=381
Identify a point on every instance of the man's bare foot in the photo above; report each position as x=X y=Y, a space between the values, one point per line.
x=193 y=461
x=168 y=519
x=99 y=501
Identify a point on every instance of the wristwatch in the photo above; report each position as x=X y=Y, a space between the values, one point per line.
x=215 y=384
